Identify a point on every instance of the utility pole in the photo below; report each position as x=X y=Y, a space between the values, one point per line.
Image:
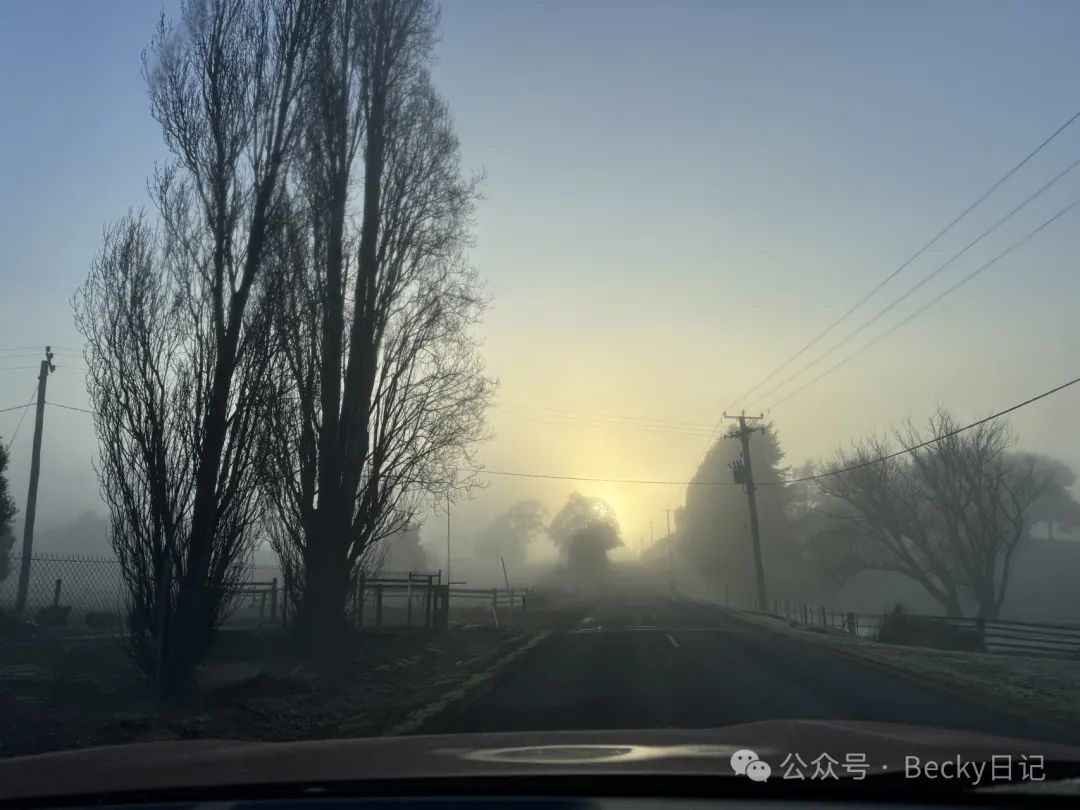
x=35 y=472
x=744 y=474
x=670 y=543
x=448 y=539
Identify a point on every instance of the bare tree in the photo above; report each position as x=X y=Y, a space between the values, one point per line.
x=388 y=389
x=980 y=494
x=178 y=322
x=510 y=533
x=7 y=512
x=886 y=524
x=948 y=515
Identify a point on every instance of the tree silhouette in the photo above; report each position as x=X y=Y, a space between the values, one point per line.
x=948 y=516
x=510 y=533
x=713 y=526
x=7 y=512
x=584 y=531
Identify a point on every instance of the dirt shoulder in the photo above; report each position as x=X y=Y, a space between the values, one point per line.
x=57 y=695
x=1040 y=687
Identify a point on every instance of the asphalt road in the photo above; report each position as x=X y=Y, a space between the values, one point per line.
x=657 y=662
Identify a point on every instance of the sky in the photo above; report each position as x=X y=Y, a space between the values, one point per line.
x=678 y=197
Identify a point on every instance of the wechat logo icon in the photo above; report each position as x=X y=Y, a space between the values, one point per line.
x=746 y=763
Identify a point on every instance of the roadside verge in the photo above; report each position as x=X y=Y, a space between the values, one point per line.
x=1039 y=687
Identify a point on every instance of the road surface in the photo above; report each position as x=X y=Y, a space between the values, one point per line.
x=658 y=662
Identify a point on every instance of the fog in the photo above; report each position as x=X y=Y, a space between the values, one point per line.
x=607 y=367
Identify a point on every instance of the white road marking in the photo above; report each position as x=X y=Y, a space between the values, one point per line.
x=674 y=643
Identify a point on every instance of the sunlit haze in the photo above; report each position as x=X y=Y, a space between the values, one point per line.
x=678 y=196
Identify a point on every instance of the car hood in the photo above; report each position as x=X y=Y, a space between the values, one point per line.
x=209 y=763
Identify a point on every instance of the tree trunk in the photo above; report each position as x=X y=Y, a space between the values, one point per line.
x=183 y=648
x=952 y=606
x=322 y=620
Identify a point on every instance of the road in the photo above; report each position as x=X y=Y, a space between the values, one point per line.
x=658 y=662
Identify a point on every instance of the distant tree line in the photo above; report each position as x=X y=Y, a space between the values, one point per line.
x=948 y=516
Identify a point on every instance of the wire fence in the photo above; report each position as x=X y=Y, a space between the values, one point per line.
x=88 y=593
x=997 y=636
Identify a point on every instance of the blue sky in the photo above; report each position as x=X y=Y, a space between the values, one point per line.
x=678 y=196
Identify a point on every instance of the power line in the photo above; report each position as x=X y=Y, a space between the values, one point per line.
x=604 y=415
x=16 y=368
x=669 y=431
x=26 y=410
x=924 y=280
x=936 y=439
x=16 y=407
x=71 y=408
x=6 y=351
x=1018 y=243
x=911 y=259
x=785 y=482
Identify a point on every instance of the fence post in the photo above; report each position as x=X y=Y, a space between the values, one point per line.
x=494 y=606
x=361 y=586
x=524 y=601
x=56 y=593
x=852 y=623
x=408 y=602
x=273 y=599
x=427 y=602
x=262 y=608
x=378 y=605
x=442 y=609
x=284 y=605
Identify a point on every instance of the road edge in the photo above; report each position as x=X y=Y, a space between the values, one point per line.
x=991 y=699
x=472 y=688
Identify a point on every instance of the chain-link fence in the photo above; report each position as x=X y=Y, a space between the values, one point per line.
x=87 y=593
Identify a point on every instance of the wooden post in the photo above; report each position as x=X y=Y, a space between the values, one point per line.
x=494 y=603
x=852 y=624
x=525 y=602
x=31 y=496
x=378 y=605
x=262 y=608
x=360 y=588
x=56 y=593
x=428 y=616
x=408 y=602
x=442 y=607
x=273 y=599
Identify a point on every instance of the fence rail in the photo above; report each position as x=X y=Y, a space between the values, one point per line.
x=88 y=593
x=998 y=636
